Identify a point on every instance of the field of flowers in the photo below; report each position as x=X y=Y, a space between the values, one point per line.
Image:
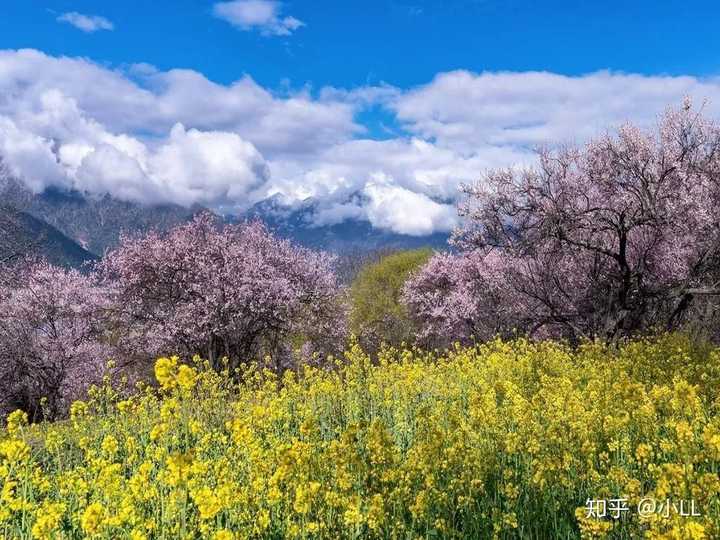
x=504 y=440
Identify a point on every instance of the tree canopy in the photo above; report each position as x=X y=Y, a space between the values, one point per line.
x=606 y=240
x=233 y=291
x=377 y=313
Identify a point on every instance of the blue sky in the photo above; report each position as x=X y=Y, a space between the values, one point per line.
x=402 y=43
x=376 y=110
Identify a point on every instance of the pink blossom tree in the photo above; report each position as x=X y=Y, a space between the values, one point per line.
x=460 y=297
x=232 y=291
x=616 y=237
x=52 y=337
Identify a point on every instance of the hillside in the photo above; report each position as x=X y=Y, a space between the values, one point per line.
x=21 y=231
x=95 y=223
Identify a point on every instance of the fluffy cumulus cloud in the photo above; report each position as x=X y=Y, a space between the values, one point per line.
x=213 y=167
x=262 y=15
x=407 y=212
x=28 y=156
x=50 y=141
x=86 y=23
x=154 y=136
x=192 y=167
x=462 y=110
x=151 y=101
x=369 y=178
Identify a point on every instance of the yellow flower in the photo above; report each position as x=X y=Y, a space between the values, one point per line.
x=15 y=421
x=165 y=370
x=109 y=446
x=304 y=496
x=158 y=431
x=353 y=515
x=643 y=452
x=48 y=518
x=78 y=410
x=137 y=534
x=124 y=406
x=263 y=519
x=91 y=518
x=407 y=445
x=14 y=451
x=694 y=531
x=178 y=469
x=186 y=377
x=53 y=440
x=207 y=502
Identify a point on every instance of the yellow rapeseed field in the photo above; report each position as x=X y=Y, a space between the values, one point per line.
x=503 y=440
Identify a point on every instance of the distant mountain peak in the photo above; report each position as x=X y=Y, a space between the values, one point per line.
x=297 y=222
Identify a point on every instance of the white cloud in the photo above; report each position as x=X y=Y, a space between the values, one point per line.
x=462 y=110
x=404 y=211
x=211 y=168
x=28 y=156
x=175 y=136
x=105 y=168
x=151 y=101
x=341 y=170
x=369 y=179
x=337 y=213
x=262 y=15
x=53 y=143
x=86 y=23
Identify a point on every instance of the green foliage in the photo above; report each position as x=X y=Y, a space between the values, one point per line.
x=377 y=313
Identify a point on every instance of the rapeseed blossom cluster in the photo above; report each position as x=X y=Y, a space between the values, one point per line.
x=502 y=440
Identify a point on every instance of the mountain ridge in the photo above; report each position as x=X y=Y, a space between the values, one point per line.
x=24 y=234
x=95 y=224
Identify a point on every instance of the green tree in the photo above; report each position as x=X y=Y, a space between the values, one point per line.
x=377 y=315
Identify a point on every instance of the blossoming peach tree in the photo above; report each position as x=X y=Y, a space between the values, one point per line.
x=52 y=336
x=233 y=291
x=606 y=240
